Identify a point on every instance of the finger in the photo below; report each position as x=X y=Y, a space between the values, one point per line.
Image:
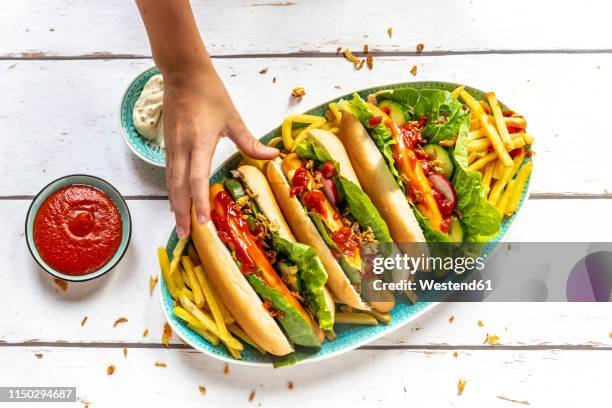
x=200 y=171
x=180 y=191
x=169 y=165
x=249 y=145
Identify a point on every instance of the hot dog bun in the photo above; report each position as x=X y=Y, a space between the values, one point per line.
x=256 y=182
x=237 y=294
x=378 y=182
x=307 y=233
x=334 y=147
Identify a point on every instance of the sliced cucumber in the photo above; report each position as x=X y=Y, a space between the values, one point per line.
x=397 y=113
x=234 y=187
x=455 y=231
x=440 y=160
x=352 y=273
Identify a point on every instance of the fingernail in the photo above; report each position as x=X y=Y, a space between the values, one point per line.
x=180 y=232
x=202 y=219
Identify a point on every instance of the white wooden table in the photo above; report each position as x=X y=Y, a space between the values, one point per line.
x=63 y=68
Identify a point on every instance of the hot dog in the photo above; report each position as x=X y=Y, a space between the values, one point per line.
x=266 y=279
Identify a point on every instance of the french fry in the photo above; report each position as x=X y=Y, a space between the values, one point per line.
x=474 y=124
x=457 y=91
x=183 y=314
x=198 y=296
x=471 y=103
x=483 y=161
x=521 y=180
x=516 y=121
x=179 y=280
x=215 y=310
x=381 y=317
x=235 y=353
x=275 y=141
x=211 y=338
x=498 y=170
x=498 y=117
x=486 y=178
x=496 y=141
x=304 y=132
x=503 y=201
x=288 y=125
x=193 y=254
x=485 y=107
x=164 y=264
x=176 y=254
x=210 y=300
x=237 y=330
x=509 y=172
x=476 y=134
x=356 y=318
x=187 y=292
x=485 y=143
x=471 y=157
x=529 y=139
x=208 y=322
x=336 y=112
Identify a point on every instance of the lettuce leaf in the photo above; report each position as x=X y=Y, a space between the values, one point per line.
x=363 y=210
x=480 y=218
x=444 y=113
x=309 y=149
x=380 y=134
x=312 y=274
x=296 y=326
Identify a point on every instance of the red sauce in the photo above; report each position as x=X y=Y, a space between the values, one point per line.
x=233 y=229
x=445 y=224
x=77 y=230
x=422 y=122
x=375 y=121
x=299 y=182
x=410 y=134
x=328 y=169
x=445 y=206
x=345 y=241
x=315 y=201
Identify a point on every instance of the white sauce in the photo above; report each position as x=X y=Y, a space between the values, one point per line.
x=147 y=114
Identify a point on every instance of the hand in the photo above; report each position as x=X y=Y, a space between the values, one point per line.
x=197 y=112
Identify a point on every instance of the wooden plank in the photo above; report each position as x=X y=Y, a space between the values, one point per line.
x=42 y=28
x=61 y=116
x=371 y=378
x=33 y=297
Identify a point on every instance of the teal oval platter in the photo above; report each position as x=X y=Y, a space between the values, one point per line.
x=348 y=337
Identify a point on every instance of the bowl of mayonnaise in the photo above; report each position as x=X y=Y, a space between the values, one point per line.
x=141 y=117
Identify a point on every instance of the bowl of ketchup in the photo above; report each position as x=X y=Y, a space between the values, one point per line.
x=78 y=227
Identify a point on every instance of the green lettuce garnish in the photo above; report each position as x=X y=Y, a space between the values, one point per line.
x=311 y=273
x=296 y=326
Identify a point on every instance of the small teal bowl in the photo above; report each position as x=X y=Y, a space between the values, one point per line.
x=154 y=155
x=108 y=189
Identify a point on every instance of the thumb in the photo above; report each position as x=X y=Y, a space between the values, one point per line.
x=249 y=145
